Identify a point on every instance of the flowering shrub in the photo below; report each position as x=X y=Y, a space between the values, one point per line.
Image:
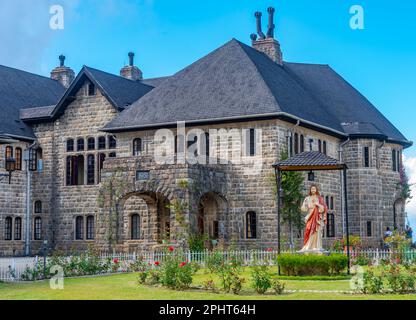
x=278 y=286
x=354 y=241
x=261 y=278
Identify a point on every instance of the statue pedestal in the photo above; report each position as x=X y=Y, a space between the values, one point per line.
x=317 y=252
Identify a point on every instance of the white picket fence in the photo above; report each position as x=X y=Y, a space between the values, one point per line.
x=11 y=269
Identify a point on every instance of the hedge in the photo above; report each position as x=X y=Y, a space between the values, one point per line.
x=312 y=265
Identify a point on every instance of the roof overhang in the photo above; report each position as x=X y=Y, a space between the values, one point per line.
x=310 y=161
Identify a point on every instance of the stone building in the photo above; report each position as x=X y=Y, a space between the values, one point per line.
x=126 y=163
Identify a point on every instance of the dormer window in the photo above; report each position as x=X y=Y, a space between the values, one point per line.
x=91 y=89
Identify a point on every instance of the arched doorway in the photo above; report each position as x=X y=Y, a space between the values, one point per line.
x=212 y=215
x=146 y=219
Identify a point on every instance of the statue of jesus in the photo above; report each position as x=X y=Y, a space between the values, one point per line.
x=315 y=221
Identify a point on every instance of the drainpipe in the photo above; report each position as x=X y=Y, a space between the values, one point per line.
x=28 y=201
x=343 y=201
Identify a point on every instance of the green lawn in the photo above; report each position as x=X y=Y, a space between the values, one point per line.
x=124 y=286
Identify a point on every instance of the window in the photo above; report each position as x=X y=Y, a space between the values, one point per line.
x=8 y=229
x=319 y=145
x=112 y=155
x=296 y=143
x=302 y=143
x=18 y=157
x=38 y=207
x=101 y=159
x=369 y=229
x=91 y=89
x=39 y=159
x=8 y=153
x=18 y=228
x=399 y=160
x=38 y=229
x=290 y=146
x=80 y=144
x=394 y=160
x=324 y=147
x=91 y=143
x=101 y=143
x=366 y=157
x=251 y=225
x=135 y=227
x=90 y=228
x=330 y=227
x=91 y=169
x=137 y=147
x=79 y=228
x=70 y=145
x=112 y=142
x=33 y=160
x=207 y=146
x=75 y=170
x=252 y=142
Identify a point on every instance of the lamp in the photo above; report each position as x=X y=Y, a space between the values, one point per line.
x=311 y=176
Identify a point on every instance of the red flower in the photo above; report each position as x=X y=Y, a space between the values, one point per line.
x=115 y=261
x=182 y=264
x=157 y=263
x=171 y=248
x=269 y=249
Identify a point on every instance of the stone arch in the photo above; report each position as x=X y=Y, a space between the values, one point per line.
x=212 y=216
x=154 y=213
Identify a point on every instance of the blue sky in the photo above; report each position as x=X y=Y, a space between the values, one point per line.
x=167 y=35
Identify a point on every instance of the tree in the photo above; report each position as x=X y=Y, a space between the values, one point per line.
x=292 y=184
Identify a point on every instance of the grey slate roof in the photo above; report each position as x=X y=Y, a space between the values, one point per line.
x=20 y=90
x=35 y=113
x=154 y=82
x=238 y=82
x=311 y=160
x=121 y=92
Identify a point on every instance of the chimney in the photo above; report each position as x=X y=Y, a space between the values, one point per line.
x=267 y=44
x=131 y=71
x=63 y=74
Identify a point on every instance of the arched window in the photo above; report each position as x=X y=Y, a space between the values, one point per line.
x=135 y=226
x=251 y=225
x=112 y=142
x=101 y=159
x=70 y=145
x=101 y=143
x=37 y=234
x=324 y=147
x=8 y=229
x=18 y=228
x=91 y=169
x=320 y=145
x=9 y=152
x=80 y=144
x=330 y=227
x=91 y=143
x=18 y=157
x=38 y=207
x=137 y=147
x=90 y=228
x=79 y=228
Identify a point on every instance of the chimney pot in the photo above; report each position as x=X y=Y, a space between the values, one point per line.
x=270 y=30
x=61 y=60
x=131 y=59
x=258 y=22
